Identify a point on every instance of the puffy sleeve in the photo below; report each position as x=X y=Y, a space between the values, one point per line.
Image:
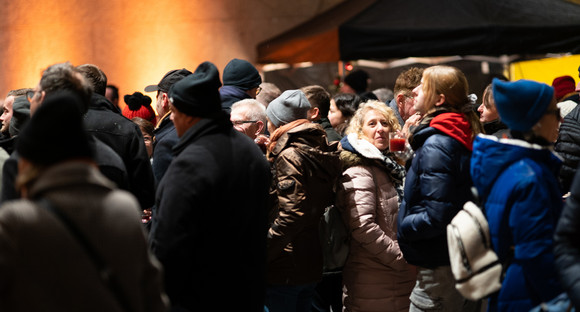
x=358 y=197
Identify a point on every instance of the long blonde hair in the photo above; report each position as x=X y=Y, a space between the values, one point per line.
x=451 y=82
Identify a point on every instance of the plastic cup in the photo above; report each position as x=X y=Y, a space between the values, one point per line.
x=396 y=142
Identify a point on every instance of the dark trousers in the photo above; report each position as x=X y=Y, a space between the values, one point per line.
x=328 y=293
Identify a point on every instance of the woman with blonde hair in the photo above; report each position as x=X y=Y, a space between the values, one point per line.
x=376 y=277
x=437 y=185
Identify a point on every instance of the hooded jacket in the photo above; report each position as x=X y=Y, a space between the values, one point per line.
x=517 y=183
x=368 y=198
x=305 y=171
x=436 y=187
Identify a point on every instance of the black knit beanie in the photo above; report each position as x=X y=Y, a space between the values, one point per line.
x=241 y=74
x=55 y=132
x=198 y=94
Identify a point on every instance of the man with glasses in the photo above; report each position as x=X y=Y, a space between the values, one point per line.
x=241 y=81
x=165 y=135
x=249 y=117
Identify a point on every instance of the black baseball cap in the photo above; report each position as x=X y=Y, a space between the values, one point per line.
x=168 y=80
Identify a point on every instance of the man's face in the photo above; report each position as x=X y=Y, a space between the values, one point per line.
x=243 y=124
x=6 y=113
x=161 y=97
x=181 y=121
x=109 y=96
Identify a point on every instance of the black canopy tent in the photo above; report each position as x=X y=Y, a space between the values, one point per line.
x=389 y=29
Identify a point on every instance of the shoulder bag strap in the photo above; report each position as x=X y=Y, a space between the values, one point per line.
x=105 y=273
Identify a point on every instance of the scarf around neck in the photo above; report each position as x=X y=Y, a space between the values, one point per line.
x=365 y=149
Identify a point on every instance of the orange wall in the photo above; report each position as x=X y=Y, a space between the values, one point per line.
x=136 y=42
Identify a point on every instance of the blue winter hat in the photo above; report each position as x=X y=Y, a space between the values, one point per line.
x=521 y=103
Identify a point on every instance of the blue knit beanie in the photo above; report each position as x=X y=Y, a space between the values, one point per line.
x=521 y=103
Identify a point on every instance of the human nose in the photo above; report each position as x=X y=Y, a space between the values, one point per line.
x=480 y=108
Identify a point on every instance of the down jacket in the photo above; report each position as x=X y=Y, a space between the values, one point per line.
x=376 y=277
x=568 y=146
x=517 y=183
x=305 y=172
x=436 y=187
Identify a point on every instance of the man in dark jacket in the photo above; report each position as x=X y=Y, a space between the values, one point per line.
x=209 y=227
x=241 y=81
x=104 y=121
x=65 y=77
x=165 y=135
x=319 y=99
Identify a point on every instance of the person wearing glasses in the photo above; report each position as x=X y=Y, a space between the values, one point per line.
x=249 y=117
x=516 y=179
x=241 y=81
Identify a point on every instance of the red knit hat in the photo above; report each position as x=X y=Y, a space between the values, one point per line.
x=563 y=85
x=139 y=105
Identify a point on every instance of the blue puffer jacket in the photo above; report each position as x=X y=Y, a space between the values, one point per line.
x=437 y=185
x=517 y=184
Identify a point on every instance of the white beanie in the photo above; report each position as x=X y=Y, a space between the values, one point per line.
x=289 y=106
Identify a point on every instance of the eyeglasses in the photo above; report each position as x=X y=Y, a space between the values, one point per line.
x=241 y=122
x=556 y=113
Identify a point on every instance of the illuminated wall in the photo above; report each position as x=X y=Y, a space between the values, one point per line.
x=136 y=42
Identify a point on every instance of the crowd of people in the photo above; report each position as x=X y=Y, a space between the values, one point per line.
x=210 y=196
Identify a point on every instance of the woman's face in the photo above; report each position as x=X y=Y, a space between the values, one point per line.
x=148 y=143
x=420 y=103
x=335 y=115
x=376 y=129
x=487 y=113
x=549 y=125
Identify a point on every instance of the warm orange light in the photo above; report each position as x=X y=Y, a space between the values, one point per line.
x=135 y=42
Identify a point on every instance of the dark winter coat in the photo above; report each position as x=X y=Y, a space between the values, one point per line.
x=331 y=134
x=110 y=165
x=44 y=268
x=567 y=245
x=437 y=185
x=126 y=139
x=165 y=139
x=306 y=169
x=209 y=227
x=568 y=146
x=229 y=95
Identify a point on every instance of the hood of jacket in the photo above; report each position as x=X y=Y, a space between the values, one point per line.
x=452 y=124
x=309 y=140
x=491 y=156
